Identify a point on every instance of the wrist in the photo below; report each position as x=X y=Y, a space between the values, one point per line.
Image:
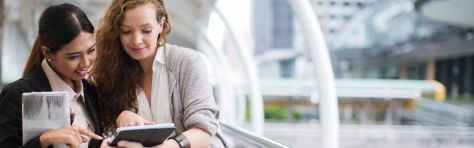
x=181 y=140
x=44 y=141
x=171 y=143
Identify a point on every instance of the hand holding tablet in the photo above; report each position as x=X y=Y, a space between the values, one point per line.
x=147 y=135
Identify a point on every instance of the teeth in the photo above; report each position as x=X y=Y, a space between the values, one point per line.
x=82 y=72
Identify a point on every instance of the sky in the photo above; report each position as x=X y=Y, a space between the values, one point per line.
x=237 y=14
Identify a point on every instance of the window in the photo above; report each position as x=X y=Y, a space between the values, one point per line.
x=346 y=17
x=346 y=4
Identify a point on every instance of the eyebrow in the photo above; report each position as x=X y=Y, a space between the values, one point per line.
x=73 y=53
x=141 y=25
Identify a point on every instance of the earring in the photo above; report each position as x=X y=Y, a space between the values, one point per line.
x=49 y=60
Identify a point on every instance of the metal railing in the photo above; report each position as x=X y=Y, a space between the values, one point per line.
x=448 y=113
x=239 y=137
x=308 y=135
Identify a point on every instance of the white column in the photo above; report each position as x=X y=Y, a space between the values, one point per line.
x=328 y=106
x=256 y=100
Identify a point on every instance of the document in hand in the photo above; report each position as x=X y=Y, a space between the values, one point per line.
x=44 y=111
x=147 y=135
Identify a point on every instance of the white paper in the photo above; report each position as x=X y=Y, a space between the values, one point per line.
x=44 y=111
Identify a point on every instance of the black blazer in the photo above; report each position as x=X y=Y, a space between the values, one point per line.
x=10 y=109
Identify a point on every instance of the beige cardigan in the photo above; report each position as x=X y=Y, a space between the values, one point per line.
x=192 y=102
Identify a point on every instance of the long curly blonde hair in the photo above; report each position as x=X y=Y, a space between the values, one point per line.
x=115 y=74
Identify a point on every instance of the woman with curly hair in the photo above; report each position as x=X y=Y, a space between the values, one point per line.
x=143 y=80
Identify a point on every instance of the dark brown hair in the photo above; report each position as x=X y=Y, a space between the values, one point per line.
x=58 y=25
x=115 y=73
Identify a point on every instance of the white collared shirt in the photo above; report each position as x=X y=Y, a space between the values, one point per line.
x=159 y=110
x=77 y=104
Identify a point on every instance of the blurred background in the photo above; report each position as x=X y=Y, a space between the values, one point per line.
x=313 y=73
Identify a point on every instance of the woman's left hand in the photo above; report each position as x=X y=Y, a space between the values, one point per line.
x=128 y=144
x=166 y=144
x=170 y=143
x=121 y=144
x=105 y=143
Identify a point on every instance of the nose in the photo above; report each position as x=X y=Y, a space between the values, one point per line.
x=84 y=62
x=136 y=39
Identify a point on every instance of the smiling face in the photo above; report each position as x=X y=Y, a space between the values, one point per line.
x=139 y=31
x=73 y=60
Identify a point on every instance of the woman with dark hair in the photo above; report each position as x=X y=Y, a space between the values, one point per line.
x=63 y=52
x=143 y=79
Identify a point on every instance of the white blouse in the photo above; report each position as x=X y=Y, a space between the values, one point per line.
x=159 y=110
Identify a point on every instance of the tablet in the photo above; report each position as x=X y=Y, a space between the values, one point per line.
x=147 y=135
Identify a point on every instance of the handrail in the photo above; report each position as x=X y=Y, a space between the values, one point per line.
x=451 y=114
x=358 y=135
x=248 y=138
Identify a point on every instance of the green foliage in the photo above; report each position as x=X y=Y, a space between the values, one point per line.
x=297 y=116
x=247 y=114
x=273 y=112
x=460 y=99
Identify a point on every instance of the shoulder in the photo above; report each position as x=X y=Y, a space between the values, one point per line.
x=15 y=89
x=186 y=57
x=181 y=60
x=20 y=85
x=184 y=54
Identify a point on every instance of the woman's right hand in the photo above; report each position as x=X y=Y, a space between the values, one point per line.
x=128 y=118
x=71 y=136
